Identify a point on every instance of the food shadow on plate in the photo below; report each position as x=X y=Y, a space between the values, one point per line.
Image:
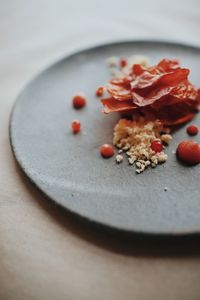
x=129 y=244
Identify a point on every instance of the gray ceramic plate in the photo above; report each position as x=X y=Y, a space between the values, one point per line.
x=69 y=169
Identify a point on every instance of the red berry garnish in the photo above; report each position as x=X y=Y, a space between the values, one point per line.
x=122 y=62
x=189 y=152
x=76 y=126
x=156 y=146
x=100 y=91
x=106 y=150
x=192 y=130
x=79 y=101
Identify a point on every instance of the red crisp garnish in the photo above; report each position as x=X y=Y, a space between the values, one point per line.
x=79 y=101
x=106 y=151
x=111 y=104
x=162 y=91
x=76 y=126
x=192 y=130
x=189 y=152
x=100 y=91
x=156 y=146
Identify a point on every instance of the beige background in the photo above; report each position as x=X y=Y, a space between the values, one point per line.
x=44 y=252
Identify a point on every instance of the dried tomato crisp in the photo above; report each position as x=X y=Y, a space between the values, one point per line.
x=161 y=92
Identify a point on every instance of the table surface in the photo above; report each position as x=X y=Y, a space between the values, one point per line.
x=44 y=252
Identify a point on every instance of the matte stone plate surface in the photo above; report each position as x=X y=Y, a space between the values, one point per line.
x=69 y=168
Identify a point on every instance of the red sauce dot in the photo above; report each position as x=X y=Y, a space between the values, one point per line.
x=100 y=91
x=189 y=152
x=76 y=126
x=192 y=130
x=157 y=146
x=106 y=150
x=78 y=101
x=122 y=63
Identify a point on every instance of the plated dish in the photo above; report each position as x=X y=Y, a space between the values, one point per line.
x=69 y=167
x=152 y=101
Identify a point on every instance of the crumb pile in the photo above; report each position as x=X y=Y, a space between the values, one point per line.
x=135 y=139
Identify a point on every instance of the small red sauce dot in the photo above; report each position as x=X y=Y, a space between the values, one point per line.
x=122 y=62
x=76 y=126
x=192 y=130
x=106 y=150
x=157 y=146
x=100 y=91
x=79 y=101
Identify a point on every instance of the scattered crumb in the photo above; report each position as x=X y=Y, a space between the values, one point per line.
x=119 y=158
x=114 y=72
x=135 y=59
x=131 y=161
x=113 y=64
x=153 y=165
x=166 y=138
x=138 y=164
x=138 y=59
x=120 y=151
x=165 y=189
x=162 y=157
x=112 y=61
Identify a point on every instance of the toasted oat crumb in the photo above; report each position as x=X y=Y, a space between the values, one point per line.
x=138 y=59
x=138 y=164
x=154 y=159
x=166 y=138
x=131 y=161
x=135 y=59
x=162 y=157
x=135 y=138
x=147 y=163
x=119 y=158
x=114 y=72
x=113 y=64
x=112 y=61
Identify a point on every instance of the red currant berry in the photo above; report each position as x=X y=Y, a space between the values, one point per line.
x=156 y=146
